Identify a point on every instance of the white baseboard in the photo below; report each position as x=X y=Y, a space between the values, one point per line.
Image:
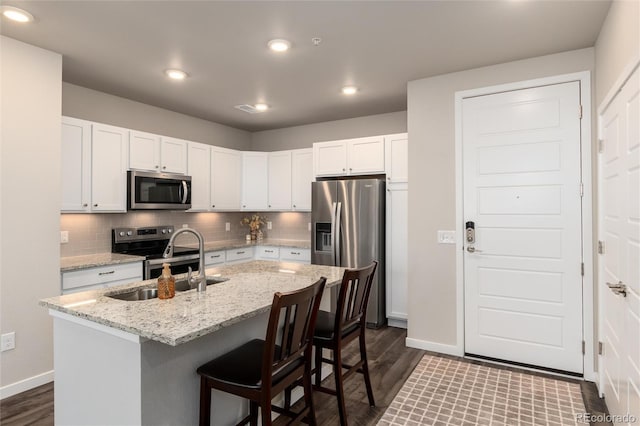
x=434 y=347
x=397 y=323
x=26 y=384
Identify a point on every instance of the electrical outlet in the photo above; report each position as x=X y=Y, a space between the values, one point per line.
x=446 y=237
x=185 y=225
x=8 y=341
x=227 y=226
x=64 y=237
x=269 y=224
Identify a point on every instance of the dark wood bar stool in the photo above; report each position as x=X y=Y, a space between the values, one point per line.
x=334 y=331
x=261 y=369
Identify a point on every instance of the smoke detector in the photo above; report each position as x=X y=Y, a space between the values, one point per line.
x=251 y=109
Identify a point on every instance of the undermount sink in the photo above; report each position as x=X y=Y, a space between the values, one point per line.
x=152 y=293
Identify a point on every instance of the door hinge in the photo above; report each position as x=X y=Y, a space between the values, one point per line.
x=600 y=247
x=581 y=189
x=580 y=112
x=600 y=145
x=584 y=347
x=600 y=348
x=582 y=269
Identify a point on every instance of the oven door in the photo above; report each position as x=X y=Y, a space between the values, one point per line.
x=158 y=191
x=179 y=265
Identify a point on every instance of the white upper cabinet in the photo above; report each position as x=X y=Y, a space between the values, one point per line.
x=199 y=168
x=397 y=157
x=76 y=165
x=157 y=153
x=226 y=179
x=279 y=180
x=173 y=155
x=255 y=181
x=301 y=178
x=109 y=149
x=330 y=158
x=349 y=157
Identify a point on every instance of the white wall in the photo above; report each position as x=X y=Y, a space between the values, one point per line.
x=617 y=45
x=89 y=104
x=30 y=208
x=432 y=268
x=305 y=136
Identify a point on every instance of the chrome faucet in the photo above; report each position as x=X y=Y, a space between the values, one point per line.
x=201 y=278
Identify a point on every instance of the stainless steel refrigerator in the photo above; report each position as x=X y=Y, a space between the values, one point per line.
x=348 y=230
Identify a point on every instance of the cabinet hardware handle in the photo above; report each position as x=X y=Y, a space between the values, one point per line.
x=85 y=205
x=244 y=205
x=213 y=205
x=343 y=169
x=107 y=273
x=214 y=256
x=164 y=167
x=294 y=206
x=350 y=169
x=95 y=205
x=297 y=253
x=239 y=252
x=268 y=251
x=157 y=166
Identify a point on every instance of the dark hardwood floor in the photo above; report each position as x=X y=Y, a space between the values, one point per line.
x=390 y=363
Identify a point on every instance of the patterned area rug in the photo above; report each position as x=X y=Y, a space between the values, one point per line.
x=443 y=391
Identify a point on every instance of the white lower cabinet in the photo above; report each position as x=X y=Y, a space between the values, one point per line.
x=239 y=255
x=101 y=277
x=396 y=256
x=288 y=254
x=267 y=253
x=212 y=258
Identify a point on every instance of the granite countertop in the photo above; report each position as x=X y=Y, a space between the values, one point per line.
x=103 y=259
x=189 y=315
x=92 y=260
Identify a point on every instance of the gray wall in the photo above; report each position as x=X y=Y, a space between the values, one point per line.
x=30 y=208
x=617 y=45
x=432 y=268
x=88 y=104
x=305 y=136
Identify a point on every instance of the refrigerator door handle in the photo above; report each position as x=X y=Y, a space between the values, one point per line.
x=338 y=236
x=333 y=233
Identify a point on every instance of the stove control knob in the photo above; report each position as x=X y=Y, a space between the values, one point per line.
x=122 y=233
x=129 y=233
x=170 y=230
x=164 y=231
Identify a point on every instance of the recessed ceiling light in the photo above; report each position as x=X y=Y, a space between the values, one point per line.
x=261 y=107
x=349 y=90
x=176 y=74
x=15 y=14
x=279 y=45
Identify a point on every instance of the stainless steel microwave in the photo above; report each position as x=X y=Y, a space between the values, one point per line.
x=158 y=191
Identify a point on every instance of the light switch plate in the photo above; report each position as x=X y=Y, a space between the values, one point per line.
x=8 y=341
x=269 y=224
x=446 y=237
x=64 y=237
x=227 y=226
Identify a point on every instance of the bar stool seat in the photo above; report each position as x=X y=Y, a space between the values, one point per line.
x=325 y=326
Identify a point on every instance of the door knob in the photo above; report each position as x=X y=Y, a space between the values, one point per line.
x=472 y=249
x=618 y=289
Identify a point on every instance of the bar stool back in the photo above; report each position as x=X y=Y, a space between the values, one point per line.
x=261 y=369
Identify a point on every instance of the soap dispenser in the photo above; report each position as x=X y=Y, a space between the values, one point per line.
x=166 y=283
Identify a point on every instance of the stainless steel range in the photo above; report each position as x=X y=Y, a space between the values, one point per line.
x=150 y=242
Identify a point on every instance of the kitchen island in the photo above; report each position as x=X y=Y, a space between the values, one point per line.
x=133 y=363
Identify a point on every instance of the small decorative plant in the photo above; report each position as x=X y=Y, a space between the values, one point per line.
x=254 y=223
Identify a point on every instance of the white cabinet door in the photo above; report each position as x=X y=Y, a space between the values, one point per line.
x=267 y=253
x=295 y=255
x=144 y=151
x=301 y=178
x=226 y=178
x=173 y=155
x=255 y=180
x=101 y=276
x=279 y=180
x=76 y=165
x=109 y=148
x=397 y=157
x=365 y=155
x=396 y=262
x=214 y=258
x=199 y=168
x=330 y=158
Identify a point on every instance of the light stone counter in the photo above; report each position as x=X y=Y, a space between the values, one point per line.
x=189 y=315
x=74 y=263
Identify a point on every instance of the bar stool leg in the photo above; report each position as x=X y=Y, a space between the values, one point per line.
x=308 y=398
x=265 y=409
x=337 y=372
x=365 y=370
x=205 y=402
x=253 y=411
x=318 y=365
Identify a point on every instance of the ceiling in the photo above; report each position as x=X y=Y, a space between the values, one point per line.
x=123 y=47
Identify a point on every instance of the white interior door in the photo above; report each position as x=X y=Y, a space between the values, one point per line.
x=620 y=262
x=522 y=191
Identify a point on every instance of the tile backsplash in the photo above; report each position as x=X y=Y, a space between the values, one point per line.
x=91 y=233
